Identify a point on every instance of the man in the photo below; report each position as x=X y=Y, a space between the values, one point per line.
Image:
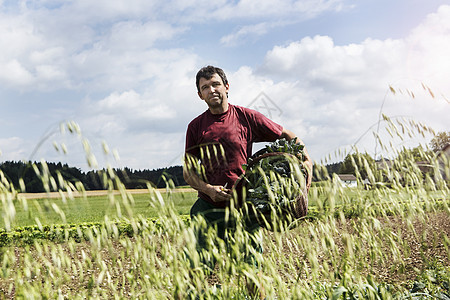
x=221 y=140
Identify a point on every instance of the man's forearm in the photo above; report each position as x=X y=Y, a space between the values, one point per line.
x=217 y=193
x=195 y=182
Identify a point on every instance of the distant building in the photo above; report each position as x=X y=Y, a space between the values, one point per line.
x=383 y=164
x=426 y=167
x=348 y=180
x=444 y=162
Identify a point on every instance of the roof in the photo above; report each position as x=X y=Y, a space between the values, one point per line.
x=347 y=177
x=384 y=164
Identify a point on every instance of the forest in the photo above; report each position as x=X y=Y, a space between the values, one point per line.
x=92 y=180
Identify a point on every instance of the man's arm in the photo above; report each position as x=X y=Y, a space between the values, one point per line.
x=216 y=192
x=289 y=135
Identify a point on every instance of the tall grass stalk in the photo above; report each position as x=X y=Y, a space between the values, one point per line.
x=351 y=245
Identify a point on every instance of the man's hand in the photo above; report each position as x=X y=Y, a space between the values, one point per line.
x=218 y=193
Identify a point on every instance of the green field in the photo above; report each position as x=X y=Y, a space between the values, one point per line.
x=94 y=208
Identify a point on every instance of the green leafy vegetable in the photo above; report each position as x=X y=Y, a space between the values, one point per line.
x=275 y=177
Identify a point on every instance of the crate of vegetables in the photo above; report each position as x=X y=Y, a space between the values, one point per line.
x=274 y=184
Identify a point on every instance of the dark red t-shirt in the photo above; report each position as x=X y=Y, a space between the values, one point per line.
x=223 y=143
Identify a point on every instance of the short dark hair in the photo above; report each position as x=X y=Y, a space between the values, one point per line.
x=208 y=72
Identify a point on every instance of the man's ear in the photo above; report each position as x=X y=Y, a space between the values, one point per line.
x=227 y=88
x=200 y=95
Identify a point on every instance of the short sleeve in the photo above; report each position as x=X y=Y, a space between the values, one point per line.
x=264 y=129
x=191 y=146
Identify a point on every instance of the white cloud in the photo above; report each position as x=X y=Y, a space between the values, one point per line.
x=27 y=57
x=243 y=33
x=14 y=73
x=54 y=44
x=317 y=62
x=165 y=149
x=121 y=114
x=204 y=11
x=115 y=70
x=135 y=35
x=419 y=56
x=12 y=149
x=334 y=93
x=103 y=10
x=145 y=124
x=274 y=13
x=65 y=44
x=132 y=105
x=428 y=45
x=299 y=9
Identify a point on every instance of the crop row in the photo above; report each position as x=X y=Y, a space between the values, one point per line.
x=77 y=232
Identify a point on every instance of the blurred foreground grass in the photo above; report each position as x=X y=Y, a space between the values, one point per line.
x=386 y=240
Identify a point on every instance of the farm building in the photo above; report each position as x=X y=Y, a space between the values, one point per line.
x=426 y=167
x=444 y=161
x=348 y=180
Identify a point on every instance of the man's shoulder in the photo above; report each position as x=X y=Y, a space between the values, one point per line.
x=199 y=118
x=244 y=110
x=248 y=112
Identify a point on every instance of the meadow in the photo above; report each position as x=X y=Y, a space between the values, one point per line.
x=94 y=207
x=388 y=239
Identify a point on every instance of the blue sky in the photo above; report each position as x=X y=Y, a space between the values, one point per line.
x=124 y=72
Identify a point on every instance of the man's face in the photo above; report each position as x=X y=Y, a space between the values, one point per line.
x=213 y=91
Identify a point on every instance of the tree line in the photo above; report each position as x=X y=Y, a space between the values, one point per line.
x=32 y=174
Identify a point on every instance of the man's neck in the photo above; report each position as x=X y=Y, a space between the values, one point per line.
x=219 y=110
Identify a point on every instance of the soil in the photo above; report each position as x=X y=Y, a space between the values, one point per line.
x=423 y=248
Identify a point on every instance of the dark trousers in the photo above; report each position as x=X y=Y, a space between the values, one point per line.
x=225 y=226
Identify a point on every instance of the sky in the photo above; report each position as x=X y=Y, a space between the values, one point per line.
x=112 y=83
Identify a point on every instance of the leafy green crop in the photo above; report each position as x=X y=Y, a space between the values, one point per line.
x=282 y=145
x=77 y=232
x=275 y=179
